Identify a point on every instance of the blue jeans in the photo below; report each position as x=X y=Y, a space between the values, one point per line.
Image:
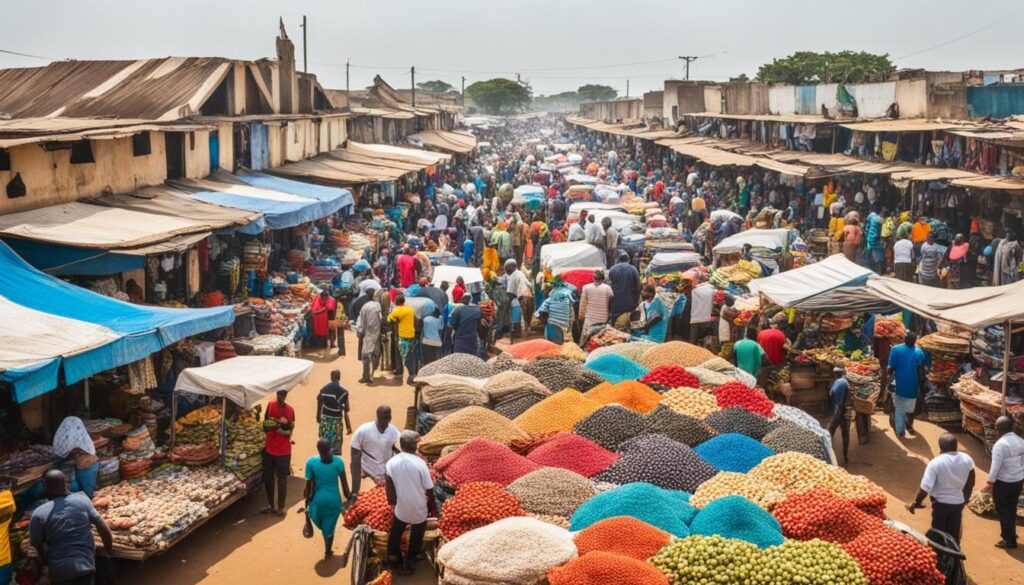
x=901 y=408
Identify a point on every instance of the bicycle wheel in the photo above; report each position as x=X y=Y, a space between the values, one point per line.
x=360 y=552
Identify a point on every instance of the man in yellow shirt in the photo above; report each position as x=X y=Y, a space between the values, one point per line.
x=405 y=317
x=7 y=509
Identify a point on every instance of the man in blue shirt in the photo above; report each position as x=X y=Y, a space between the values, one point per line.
x=839 y=396
x=906 y=369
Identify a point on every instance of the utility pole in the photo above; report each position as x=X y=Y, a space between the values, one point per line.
x=413 y=71
x=627 y=88
x=305 y=69
x=518 y=79
x=463 y=91
x=348 y=62
x=688 y=61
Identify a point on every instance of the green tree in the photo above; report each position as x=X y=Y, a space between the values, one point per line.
x=499 y=95
x=597 y=93
x=565 y=101
x=807 y=67
x=741 y=78
x=436 y=86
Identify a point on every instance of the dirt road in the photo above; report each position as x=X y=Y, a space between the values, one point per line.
x=241 y=546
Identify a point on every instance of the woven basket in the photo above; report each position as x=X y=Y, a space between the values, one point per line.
x=865 y=405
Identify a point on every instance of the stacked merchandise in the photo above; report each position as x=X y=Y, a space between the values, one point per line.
x=890 y=328
x=946 y=351
x=988 y=349
x=255 y=256
x=737 y=275
x=26 y=467
x=245 y=444
x=863 y=377
x=137 y=453
x=981 y=406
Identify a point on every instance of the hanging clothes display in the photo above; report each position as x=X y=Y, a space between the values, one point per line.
x=141 y=375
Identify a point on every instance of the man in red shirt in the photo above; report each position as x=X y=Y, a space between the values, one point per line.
x=406 y=264
x=459 y=290
x=277 y=452
x=773 y=341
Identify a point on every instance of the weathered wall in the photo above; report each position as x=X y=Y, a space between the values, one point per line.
x=782 y=99
x=873 y=99
x=197 y=154
x=51 y=179
x=746 y=98
x=713 y=99
x=226 y=136
x=912 y=97
x=997 y=101
x=825 y=95
x=653 y=101
x=670 y=99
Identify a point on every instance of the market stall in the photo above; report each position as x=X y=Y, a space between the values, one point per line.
x=571 y=256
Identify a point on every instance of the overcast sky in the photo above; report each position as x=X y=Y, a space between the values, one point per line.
x=557 y=45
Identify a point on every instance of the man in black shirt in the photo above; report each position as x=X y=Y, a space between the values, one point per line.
x=331 y=408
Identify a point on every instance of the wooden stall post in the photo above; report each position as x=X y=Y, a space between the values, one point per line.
x=1007 y=336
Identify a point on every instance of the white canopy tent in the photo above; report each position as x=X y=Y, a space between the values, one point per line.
x=245 y=380
x=771 y=239
x=571 y=256
x=796 y=286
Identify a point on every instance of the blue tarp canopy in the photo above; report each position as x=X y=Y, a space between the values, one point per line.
x=281 y=209
x=299 y=188
x=53 y=325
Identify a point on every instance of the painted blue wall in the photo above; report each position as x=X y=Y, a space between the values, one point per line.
x=998 y=101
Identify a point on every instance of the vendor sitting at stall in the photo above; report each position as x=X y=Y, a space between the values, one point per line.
x=72 y=442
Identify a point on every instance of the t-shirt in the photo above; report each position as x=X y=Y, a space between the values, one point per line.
x=7 y=510
x=432 y=331
x=406 y=319
x=64 y=525
x=333 y=399
x=625 y=282
x=930 y=256
x=773 y=342
x=903 y=252
x=411 y=478
x=596 y=297
x=1007 y=459
x=406 y=265
x=277 y=443
x=377 y=447
x=702 y=299
x=749 y=355
x=946 y=475
x=919 y=232
x=905 y=361
x=837 y=394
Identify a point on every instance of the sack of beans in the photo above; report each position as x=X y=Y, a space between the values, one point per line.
x=634 y=395
x=675 y=352
x=598 y=568
x=512 y=551
x=467 y=424
x=458 y=364
x=552 y=491
x=559 y=412
x=610 y=425
x=557 y=374
x=622 y=535
x=658 y=460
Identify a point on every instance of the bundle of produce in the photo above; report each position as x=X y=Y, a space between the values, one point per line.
x=675 y=352
x=709 y=559
x=605 y=336
x=458 y=364
x=678 y=427
x=833 y=323
x=443 y=393
x=370 y=508
x=888 y=557
x=945 y=343
x=560 y=412
x=195 y=454
x=739 y=518
x=811 y=563
x=467 y=424
x=728 y=483
x=615 y=368
x=633 y=395
x=739 y=420
x=557 y=374
x=598 y=568
x=738 y=394
x=786 y=436
x=622 y=535
x=552 y=491
x=573 y=452
x=513 y=384
x=610 y=425
x=821 y=514
x=739 y=274
x=571 y=351
x=831 y=355
x=483 y=460
x=667 y=510
x=798 y=472
x=658 y=460
x=631 y=350
x=475 y=505
x=890 y=328
x=511 y=551
x=532 y=349
x=512 y=408
x=672 y=376
x=718 y=364
x=505 y=362
x=690 y=402
x=733 y=452
x=202 y=425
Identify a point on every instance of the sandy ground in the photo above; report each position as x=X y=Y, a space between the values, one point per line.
x=242 y=546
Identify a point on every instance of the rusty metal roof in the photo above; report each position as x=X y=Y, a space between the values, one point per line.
x=148 y=89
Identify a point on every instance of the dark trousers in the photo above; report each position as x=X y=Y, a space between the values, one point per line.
x=947 y=518
x=395 y=541
x=87 y=579
x=280 y=466
x=1005 y=496
x=431 y=353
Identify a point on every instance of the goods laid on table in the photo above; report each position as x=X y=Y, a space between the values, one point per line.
x=560 y=412
x=512 y=551
x=199 y=427
x=557 y=374
x=622 y=535
x=658 y=460
x=733 y=452
x=26 y=467
x=148 y=513
x=467 y=424
x=678 y=427
x=667 y=510
x=739 y=518
x=458 y=364
x=610 y=425
x=863 y=377
x=679 y=353
x=483 y=460
x=598 y=568
x=477 y=505
x=616 y=368
x=671 y=376
x=739 y=274
x=631 y=394
x=573 y=452
x=980 y=406
x=727 y=483
x=137 y=452
x=245 y=445
x=552 y=491
x=195 y=454
x=690 y=402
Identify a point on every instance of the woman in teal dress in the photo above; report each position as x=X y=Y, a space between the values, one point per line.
x=323 y=498
x=653 y=316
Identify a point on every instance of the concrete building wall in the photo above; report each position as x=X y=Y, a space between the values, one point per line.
x=197 y=154
x=782 y=99
x=226 y=137
x=873 y=99
x=912 y=98
x=713 y=99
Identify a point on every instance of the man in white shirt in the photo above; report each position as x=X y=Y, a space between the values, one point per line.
x=701 y=300
x=1005 y=478
x=409 y=489
x=595 y=304
x=903 y=259
x=949 y=480
x=593 y=232
x=576 y=229
x=373 y=444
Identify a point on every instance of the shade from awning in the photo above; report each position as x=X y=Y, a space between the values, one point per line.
x=973 y=308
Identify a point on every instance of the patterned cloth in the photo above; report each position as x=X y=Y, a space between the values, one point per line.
x=405 y=345
x=330 y=429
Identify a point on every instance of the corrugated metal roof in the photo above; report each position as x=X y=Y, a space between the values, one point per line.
x=448 y=141
x=906 y=125
x=147 y=89
x=98 y=134
x=788 y=118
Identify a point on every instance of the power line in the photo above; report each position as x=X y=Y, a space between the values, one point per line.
x=504 y=71
x=26 y=55
x=951 y=41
